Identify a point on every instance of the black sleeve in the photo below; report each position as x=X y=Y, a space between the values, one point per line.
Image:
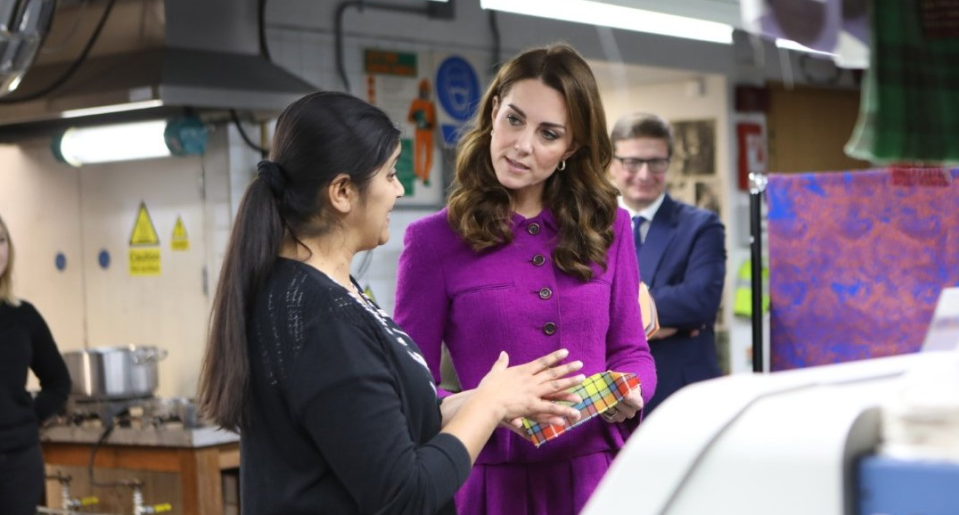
x=344 y=391
x=48 y=366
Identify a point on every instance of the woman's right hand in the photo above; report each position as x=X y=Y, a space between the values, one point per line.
x=529 y=390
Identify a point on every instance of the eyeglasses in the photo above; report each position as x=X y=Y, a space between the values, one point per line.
x=657 y=165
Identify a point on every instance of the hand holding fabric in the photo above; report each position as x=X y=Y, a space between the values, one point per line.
x=627 y=408
x=528 y=390
x=601 y=394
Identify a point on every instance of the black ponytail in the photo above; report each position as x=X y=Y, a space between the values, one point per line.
x=318 y=137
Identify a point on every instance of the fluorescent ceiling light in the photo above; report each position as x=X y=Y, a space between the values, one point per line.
x=14 y=84
x=619 y=17
x=792 y=45
x=116 y=108
x=121 y=142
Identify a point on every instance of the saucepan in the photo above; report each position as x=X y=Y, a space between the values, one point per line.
x=113 y=373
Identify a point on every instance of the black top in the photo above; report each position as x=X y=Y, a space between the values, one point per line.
x=26 y=344
x=343 y=416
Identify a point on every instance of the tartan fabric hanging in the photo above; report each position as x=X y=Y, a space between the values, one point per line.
x=909 y=110
x=598 y=392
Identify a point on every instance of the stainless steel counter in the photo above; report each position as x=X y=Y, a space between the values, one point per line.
x=151 y=436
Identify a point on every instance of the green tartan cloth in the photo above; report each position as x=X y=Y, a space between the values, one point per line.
x=909 y=109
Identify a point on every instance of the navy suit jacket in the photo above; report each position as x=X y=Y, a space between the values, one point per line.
x=683 y=262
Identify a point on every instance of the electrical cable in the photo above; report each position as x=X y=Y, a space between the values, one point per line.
x=261 y=23
x=73 y=67
x=107 y=431
x=264 y=152
x=497 y=39
x=93 y=452
x=361 y=5
x=78 y=17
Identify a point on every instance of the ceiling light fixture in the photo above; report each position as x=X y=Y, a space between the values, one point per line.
x=115 y=108
x=78 y=146
x=618 y=17
x=792 y=45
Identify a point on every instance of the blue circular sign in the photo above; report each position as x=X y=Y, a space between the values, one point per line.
x=61 y=261
x=104 y=259
x=457 y=88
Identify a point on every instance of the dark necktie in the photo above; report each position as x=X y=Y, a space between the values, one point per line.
x=637 y=233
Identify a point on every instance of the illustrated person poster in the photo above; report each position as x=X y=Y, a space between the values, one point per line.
x=400 y=84
x=431 y=96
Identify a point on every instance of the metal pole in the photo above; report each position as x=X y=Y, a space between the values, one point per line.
x=757 y=185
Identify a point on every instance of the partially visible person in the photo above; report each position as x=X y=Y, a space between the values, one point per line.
x=531 y=255
x=25 y=344
x=337 y=410
x=681 y=251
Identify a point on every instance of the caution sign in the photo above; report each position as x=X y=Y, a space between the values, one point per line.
x=180 y=240
x=144 y=233
x=144 y=245
x=144 y=262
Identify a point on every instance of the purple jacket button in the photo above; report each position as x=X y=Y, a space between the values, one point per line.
x=545 y=293
x=533 y=229
x=549 y=328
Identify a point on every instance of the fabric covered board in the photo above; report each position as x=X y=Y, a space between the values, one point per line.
x=857 y=261
x=598 y=392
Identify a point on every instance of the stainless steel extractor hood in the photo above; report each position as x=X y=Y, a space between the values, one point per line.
x=170 y=54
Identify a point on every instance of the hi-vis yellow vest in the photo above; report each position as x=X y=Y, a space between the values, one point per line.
x=743 y=306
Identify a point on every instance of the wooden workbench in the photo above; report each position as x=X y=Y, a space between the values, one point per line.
x=188 y=476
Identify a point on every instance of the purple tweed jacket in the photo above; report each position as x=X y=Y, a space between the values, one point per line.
x=513 y=298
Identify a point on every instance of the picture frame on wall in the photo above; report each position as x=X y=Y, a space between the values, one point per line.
x=707 y=196
x=694 y=148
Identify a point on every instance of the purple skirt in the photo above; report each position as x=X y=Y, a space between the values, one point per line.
x=555 y=488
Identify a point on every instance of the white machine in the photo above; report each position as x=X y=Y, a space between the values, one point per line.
x=783 y=443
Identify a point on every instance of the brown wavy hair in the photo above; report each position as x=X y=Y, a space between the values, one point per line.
x=580 y=197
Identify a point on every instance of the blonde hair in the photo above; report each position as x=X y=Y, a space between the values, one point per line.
x=6 y=278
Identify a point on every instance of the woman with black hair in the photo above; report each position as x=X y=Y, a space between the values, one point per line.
x=336 y=408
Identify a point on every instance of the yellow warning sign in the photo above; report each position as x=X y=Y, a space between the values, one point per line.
x=144 y=262
x=144 y=234
x=180 y=239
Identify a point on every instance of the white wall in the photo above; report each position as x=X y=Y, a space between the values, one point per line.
x=168 y=310
x=51 y=207
x=41 y=207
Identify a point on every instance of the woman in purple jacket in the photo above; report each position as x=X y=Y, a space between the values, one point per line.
x=531 y=255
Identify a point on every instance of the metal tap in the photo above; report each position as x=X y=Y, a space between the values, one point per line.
x=139 y=508
x=67 y=501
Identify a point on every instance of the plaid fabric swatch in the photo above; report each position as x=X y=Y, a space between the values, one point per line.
x=598 y=392
x=910 y=98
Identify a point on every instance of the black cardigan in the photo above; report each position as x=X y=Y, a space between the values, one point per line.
x=343 y=415
x=26 y=344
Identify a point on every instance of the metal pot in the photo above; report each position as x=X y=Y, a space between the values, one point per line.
x=109 y=373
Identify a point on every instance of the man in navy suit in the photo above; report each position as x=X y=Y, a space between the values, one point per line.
x=681 y=251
